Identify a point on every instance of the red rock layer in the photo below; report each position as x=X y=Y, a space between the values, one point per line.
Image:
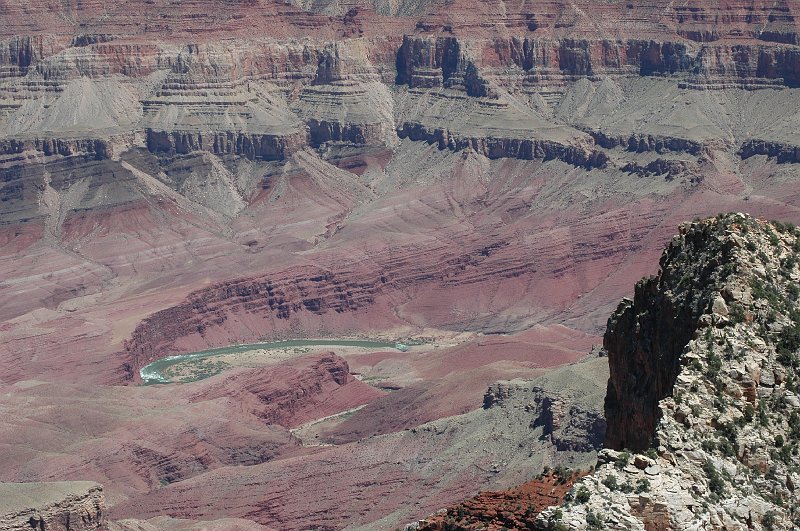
x=508 y=509
x=700 y=21
x=292 y=393
x=138 y=439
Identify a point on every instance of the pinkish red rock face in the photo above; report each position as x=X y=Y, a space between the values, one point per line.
x=175 y=177
x=135 y=439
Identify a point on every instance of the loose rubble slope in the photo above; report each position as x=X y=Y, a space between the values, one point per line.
x=702 y=406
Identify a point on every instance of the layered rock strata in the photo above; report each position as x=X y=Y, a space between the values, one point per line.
x=486 y=448
x=63 y=506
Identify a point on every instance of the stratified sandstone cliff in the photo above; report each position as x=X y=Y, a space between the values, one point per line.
x=702 y=407
x=64 y=506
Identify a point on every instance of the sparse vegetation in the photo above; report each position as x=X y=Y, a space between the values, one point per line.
x=748 y=414
x=769 y=521
x=582 y=495
x=623 y=460
x=736 y=312
x=594 y=521
x=715 y=482
x=611 y=483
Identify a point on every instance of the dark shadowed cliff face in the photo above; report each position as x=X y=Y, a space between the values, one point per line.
x=645 y=337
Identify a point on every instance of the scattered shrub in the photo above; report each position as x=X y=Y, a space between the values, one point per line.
x=726 y=448
x=748 y=413
x=611 y=483
x=763 y=418
x=594 y=521
x=789 y=343
x=643 y=485
x=582 y=495
x=785 y=453
x=794 y=426
x=715 y=481
x=770 y=520
x=737 y=313
x=709 y=445
x=714 y=365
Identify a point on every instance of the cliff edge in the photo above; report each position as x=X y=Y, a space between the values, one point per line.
x=58 y=506
x=702 y=405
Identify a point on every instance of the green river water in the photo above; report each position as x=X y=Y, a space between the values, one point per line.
x=153 y=373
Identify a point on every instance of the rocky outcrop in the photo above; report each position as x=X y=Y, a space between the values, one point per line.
x=63 y=506
x=293 y=393
x=642 y=143
x=430 y=62
x=322 y=131
x=646 y=336
x=569 y=425
x=499 y=147
x=670 y=169
x=96 y=148
x=782 y=153
x=507 y=509
x=249 y=146
x=702 y=406
x=712 y=65
x=19 y=53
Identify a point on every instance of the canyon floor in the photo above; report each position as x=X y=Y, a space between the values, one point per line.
x=482 y=180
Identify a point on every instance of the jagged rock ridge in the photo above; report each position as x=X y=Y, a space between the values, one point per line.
x=57 y=506
x=702 y=407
